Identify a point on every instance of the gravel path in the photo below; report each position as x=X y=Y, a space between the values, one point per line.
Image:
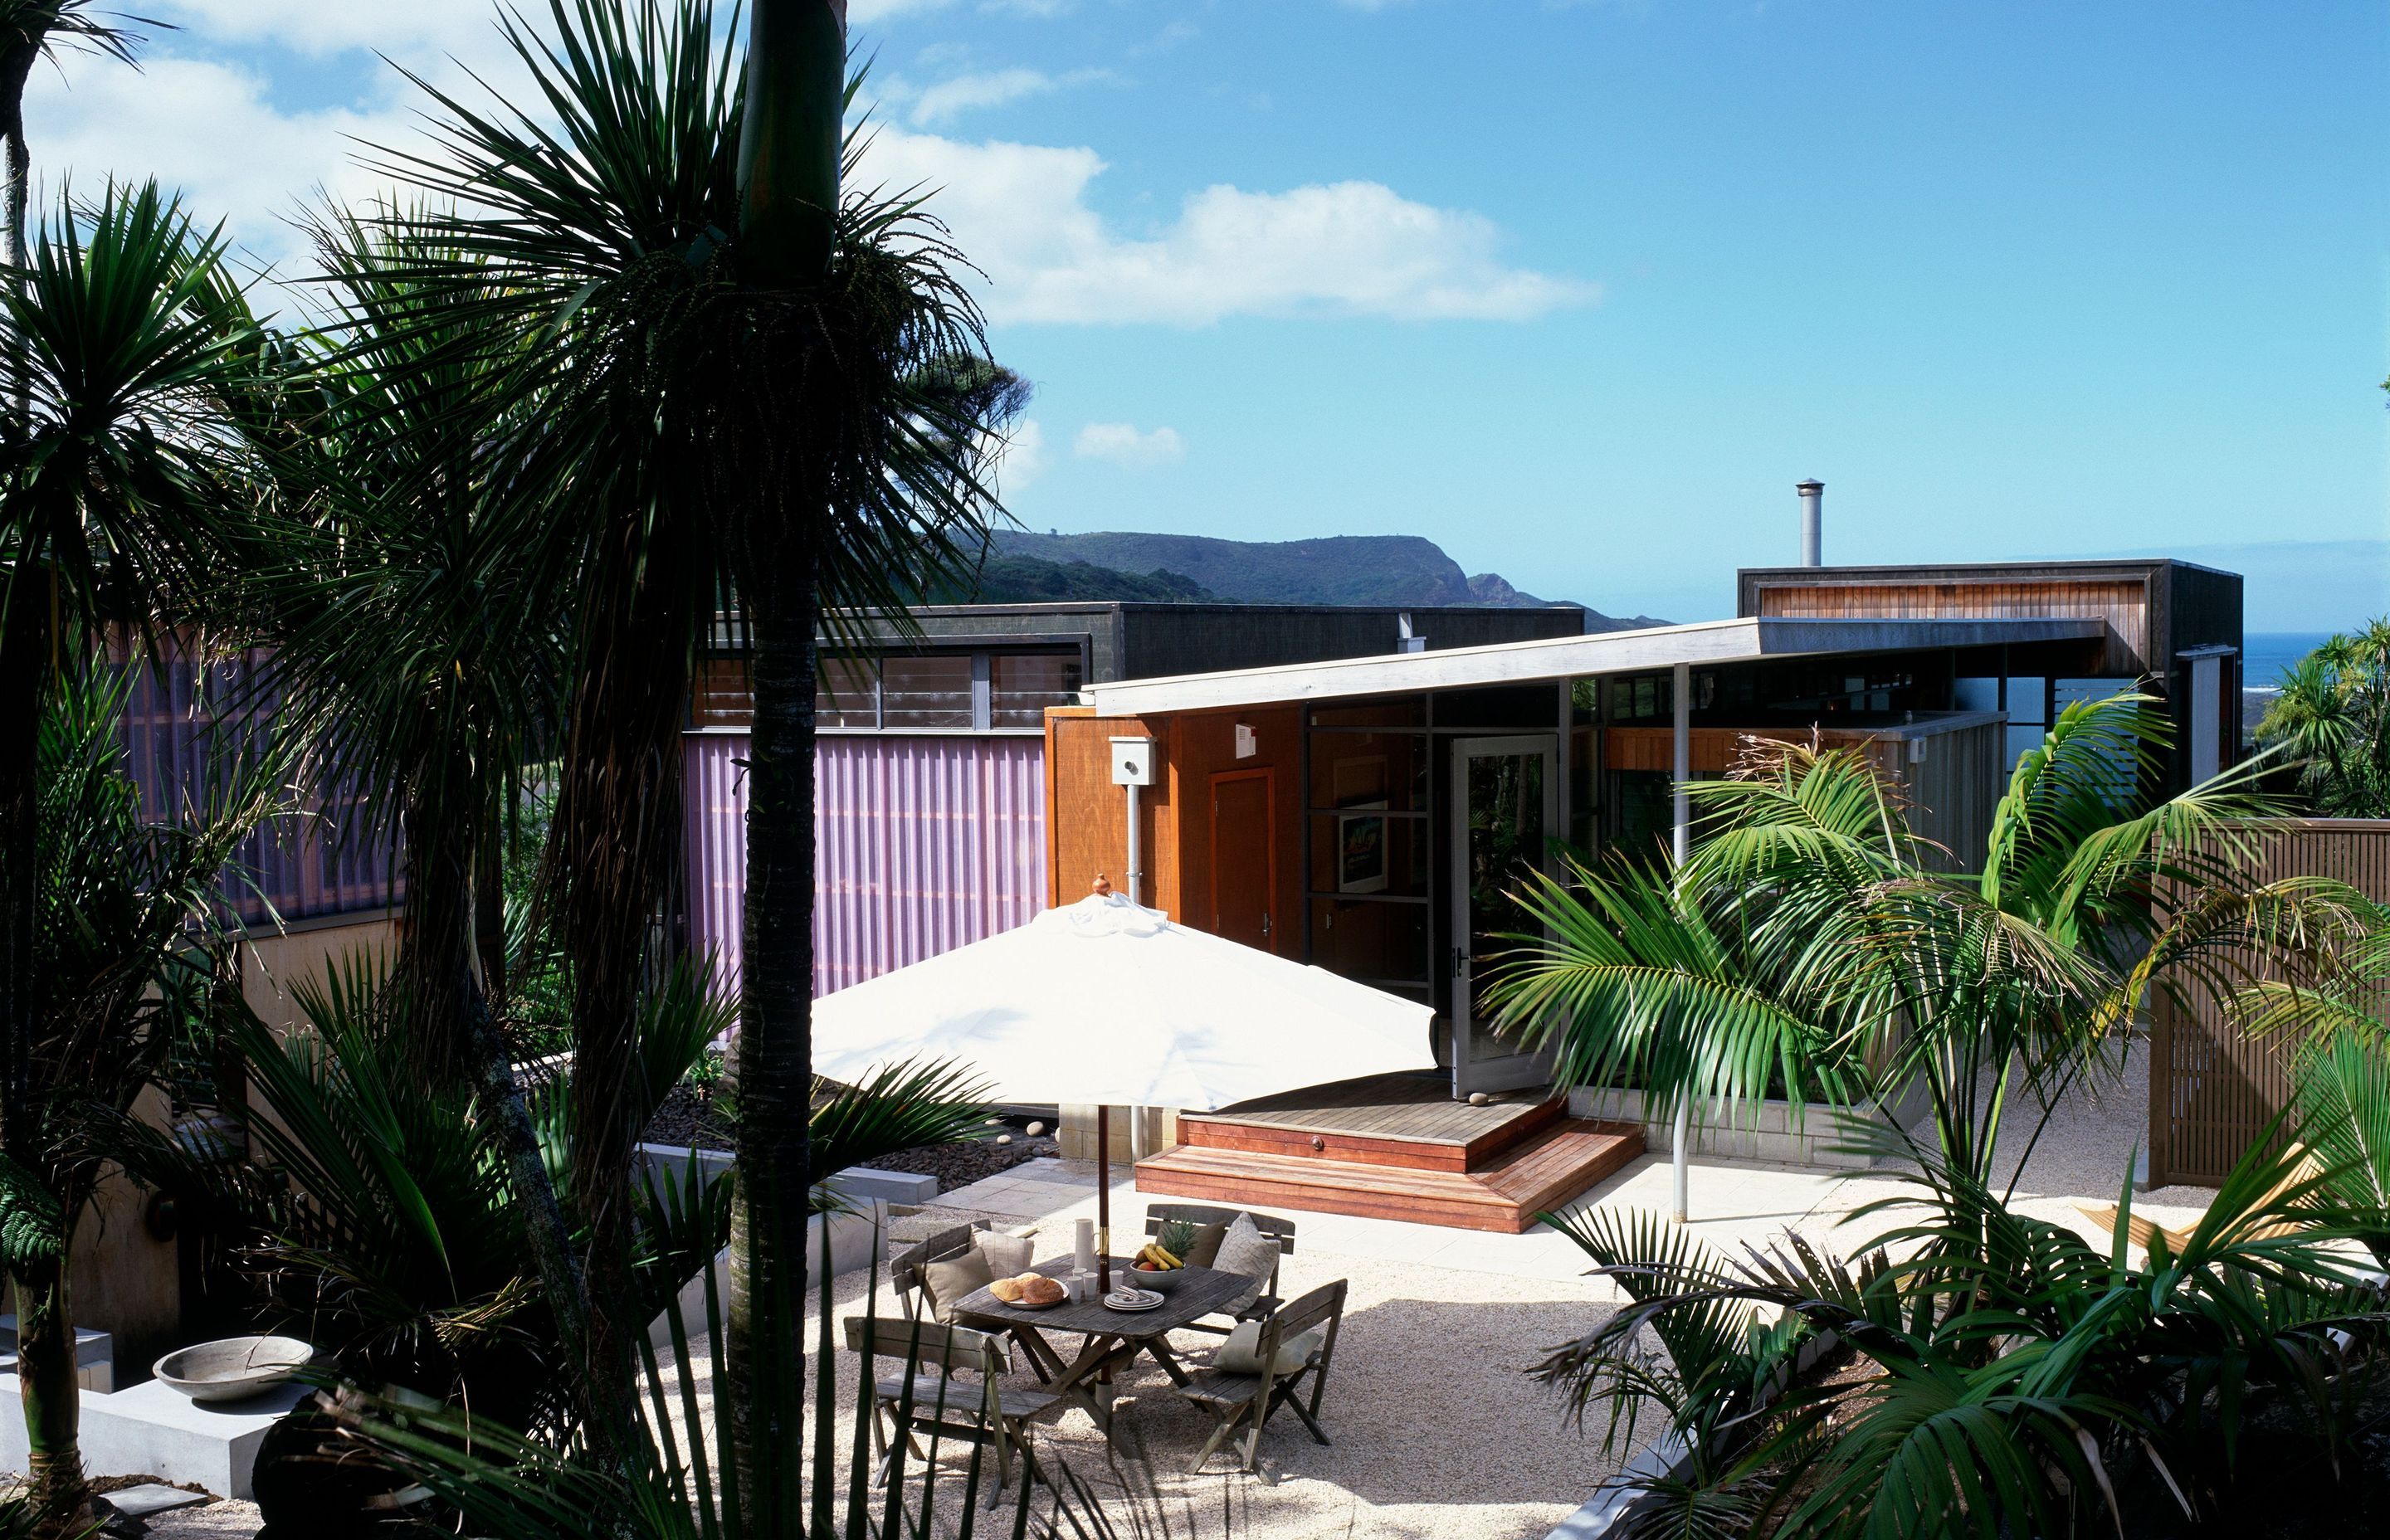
x=1439 y=1432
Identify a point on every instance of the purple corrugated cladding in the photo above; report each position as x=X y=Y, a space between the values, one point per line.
x=923 y=844
x=175 y=717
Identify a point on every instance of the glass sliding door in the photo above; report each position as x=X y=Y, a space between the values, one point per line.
x=1505 y=812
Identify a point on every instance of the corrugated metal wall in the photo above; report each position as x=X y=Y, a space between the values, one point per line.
x=2212 y=1089
x=925 y=845
x=305 y=867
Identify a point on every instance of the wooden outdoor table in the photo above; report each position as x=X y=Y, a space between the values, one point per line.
x=1110 y=1339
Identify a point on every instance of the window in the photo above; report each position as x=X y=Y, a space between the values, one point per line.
x=1020 y=685
x=848 y=694
x=952 y=691
x=926 y=690
x=718 y=695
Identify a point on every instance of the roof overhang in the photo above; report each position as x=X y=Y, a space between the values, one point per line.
x=1707 y=642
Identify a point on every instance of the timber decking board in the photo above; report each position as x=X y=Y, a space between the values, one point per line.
x=1316 y=1142
x=1411 y=1106
x=1505 y=1196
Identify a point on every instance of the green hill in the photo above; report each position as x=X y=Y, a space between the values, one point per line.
x=1028 y=579
x=1351 y=568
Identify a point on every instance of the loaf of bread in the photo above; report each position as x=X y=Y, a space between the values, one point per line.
x=1006 y=1289
x=1038 y=1288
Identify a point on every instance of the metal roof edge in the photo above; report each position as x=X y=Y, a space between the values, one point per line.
x=1745 y=638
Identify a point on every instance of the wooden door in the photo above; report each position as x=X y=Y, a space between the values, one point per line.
x=1245 y=857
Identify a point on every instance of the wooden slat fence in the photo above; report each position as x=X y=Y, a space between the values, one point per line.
x=2211 y=1090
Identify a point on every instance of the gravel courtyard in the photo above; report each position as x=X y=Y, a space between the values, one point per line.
x=1439 y=1430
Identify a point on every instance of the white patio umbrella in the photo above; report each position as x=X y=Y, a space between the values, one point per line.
x=1106 y=1002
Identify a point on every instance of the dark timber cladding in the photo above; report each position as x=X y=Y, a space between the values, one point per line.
x=2213 y=1087
x=2156 y=610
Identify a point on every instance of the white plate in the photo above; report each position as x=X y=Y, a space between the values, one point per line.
x=1133 y=1299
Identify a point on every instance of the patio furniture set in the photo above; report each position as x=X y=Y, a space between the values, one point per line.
x=950 y=1355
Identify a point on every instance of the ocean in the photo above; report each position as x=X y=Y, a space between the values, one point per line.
x=2266 y=654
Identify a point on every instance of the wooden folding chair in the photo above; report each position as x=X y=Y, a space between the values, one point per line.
x=904 y=1267
x=924 y=1396
x=1247 y=1401
x=2142 y=1231
x=1278 y=1229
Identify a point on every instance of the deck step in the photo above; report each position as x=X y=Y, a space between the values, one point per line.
x=1349 y=1138
x=1503 y=1195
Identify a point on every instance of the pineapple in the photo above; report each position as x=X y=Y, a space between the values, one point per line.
x=1176 y=1237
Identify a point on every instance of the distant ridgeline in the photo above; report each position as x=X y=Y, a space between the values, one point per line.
x=1353 y=568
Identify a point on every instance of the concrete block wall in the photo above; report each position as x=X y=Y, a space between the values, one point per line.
x=1137 y=1131
x=1774 y=1131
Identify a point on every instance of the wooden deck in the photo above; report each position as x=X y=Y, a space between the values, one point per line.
x=1403 y=1120
x=1394 y=1147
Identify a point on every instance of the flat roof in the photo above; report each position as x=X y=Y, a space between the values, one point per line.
x=1749 y=640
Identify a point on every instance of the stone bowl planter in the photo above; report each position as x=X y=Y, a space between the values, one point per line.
x=233 y=1368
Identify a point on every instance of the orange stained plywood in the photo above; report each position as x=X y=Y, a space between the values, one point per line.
x=1087 y=816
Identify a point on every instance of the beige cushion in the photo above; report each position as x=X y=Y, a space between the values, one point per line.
x=948 y=1283
x=1245 y=1250
x=1205 y=1248
x=1007 y=1254
x=1241 y=1354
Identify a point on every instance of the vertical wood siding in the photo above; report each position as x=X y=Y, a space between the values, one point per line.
x=2211 y=1090
x=2123 y=603
x=924 y=844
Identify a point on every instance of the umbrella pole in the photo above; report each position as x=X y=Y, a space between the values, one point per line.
x=1104 y=1198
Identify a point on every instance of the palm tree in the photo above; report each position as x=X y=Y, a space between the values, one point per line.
x=114 y=503
x=755 y=390
x=31 y=31
x=414 y=650
x=2332 y=718
x=1812 y=948
x=132 y=947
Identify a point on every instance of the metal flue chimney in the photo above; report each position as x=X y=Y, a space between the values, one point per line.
x=1812 y=521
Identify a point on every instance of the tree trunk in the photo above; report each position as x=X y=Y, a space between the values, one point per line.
x=490 y=915
x=544 y=1222
x=767 y=1276
x=437 y=990
x=615 y=837
x=453 y=1038
x=45 y=1373
x=789 y=154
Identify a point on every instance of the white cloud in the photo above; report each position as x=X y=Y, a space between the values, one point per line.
x=1124 y=444
x=1023 y=458
x=1024 y=213
x=410 y=29
x=863 y=13
x=948 y=98
x=206 y=128
x=1021 y=213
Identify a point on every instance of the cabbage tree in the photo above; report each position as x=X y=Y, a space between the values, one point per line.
x=759 y=391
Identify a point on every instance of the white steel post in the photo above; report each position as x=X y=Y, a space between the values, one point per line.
x=1680 y=846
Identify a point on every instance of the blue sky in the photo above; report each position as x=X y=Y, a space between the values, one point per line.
x=1578 y=291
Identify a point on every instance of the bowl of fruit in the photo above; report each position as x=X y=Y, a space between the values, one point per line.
x=1161 y=1258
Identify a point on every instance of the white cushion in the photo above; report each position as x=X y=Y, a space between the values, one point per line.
x=1241 y=1354
x=1007 y=1254
x=1245 y=1250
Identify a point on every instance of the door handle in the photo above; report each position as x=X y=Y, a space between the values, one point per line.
x=1265 y=922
